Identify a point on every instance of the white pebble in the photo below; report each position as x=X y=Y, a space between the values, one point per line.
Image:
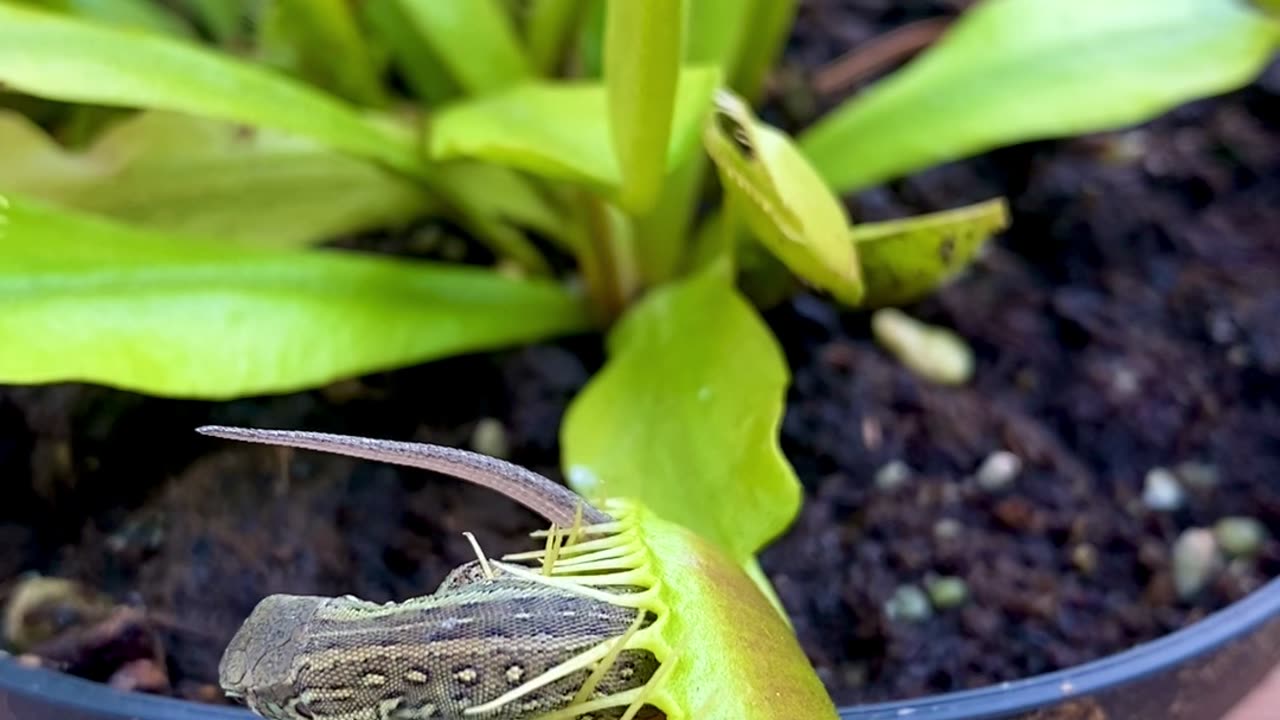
x=998 y=471
x=934 y=353
x=1161 y=491
x=1195 y=561
x=909 y=603
x=893 y=475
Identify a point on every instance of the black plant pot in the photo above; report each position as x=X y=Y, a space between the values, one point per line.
x=1197 y=673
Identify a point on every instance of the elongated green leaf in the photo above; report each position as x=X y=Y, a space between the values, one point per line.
x=207 y=178
x=770 y=25
x=561 y=132
x=87 y=300
x=551 y=24
x=904 y=260
x=64 y=59
x=330 y=49
x=642 y=53
x=220 y=18
x=1016 y=70
x=475 y=39
x=136 y=14
x=784 y=202
x=410 y=52
x=685 y=417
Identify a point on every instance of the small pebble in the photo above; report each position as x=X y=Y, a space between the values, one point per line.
x=1195 y=561
x=1239 y=536
x=948 y=592
x=893 y=475
x=998 y=471
x=909 y=603
x=1161 y=491
x=1085 y=557
x=1197 y=475
x=934 y=353
x=490 y=438
x=947 y=529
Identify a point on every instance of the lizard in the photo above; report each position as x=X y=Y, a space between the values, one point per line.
x=488 y=644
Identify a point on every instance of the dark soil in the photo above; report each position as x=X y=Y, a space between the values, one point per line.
x=1130 y=319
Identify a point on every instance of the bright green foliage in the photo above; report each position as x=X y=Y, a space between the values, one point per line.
x=785 y=204
x=409 y=51
x=63 y=59
x=210 y=179
x=904 y=260
x=329 y=48
x=643 y=47
x=1015 y=70
x=562 y=132
x=685 y=415
x=474 y=39
x=135 y=14
x=551 y=25
x=83 y=299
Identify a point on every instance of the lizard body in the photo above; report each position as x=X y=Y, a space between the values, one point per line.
x=481 y=636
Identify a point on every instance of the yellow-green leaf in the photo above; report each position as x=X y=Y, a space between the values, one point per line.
x=1016 y=70
x=558 y=130
x=61 y=58
x=784 y=202
x=685 y=416
x=904 y=260
x=207 y=178
x=475 y=39
x=84 y=299
x=643 y=47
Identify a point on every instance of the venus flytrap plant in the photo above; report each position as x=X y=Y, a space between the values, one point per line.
x=590 y=130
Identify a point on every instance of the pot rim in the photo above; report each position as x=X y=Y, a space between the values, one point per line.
x=102 y=701
x=1091 y=678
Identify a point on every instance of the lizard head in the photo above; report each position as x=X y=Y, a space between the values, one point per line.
x=258 y=662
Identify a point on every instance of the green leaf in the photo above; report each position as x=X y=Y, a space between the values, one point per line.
x=684 y=417
x=410 y=52
x=331 y=51
x=135 y=14
x=642 y=52
x=64 y=59
x=475 y=39
x=220 y=18
x=558 y=130
x=551 y=24
x=784 y=202
x=1016 y=70
x=770 y=26
x=83 y=299
x=206 y=178
x=904 y=260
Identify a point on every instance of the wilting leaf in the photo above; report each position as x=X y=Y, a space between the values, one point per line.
x=685 y=417
x=83 y=299
x=558 y=129
x=904 y=260
x=207 y=178
x=785 y=204
x=643 y=43
x=1016 y=70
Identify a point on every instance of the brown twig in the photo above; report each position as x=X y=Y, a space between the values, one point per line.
x=878 y=54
